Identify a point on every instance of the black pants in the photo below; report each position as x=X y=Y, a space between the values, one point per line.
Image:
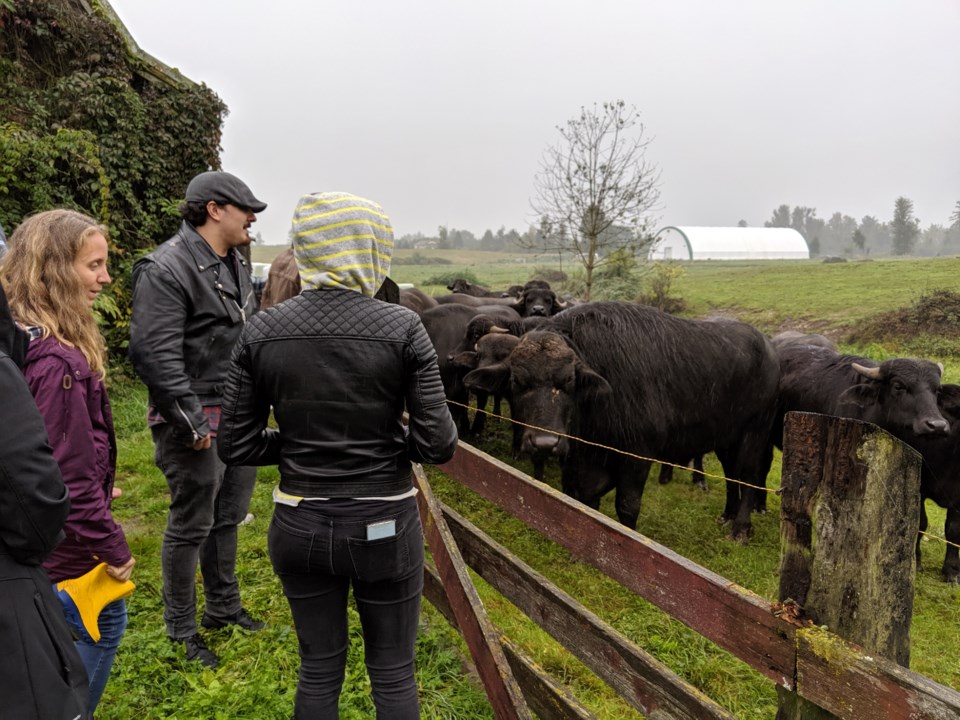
x=207 y=501
x=318 y=550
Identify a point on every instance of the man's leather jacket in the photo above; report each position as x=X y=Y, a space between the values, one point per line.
x=188 y=311
x=338 y=368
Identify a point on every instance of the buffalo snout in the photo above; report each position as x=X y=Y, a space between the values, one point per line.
x=543 y=444
x=931 y=426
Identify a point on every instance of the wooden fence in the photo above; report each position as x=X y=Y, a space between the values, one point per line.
x=846 y=682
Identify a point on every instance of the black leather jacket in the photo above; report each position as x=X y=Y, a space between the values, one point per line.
x=188 y=311
x=337 y=367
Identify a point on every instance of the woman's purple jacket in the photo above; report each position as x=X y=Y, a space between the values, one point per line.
x=76 y=410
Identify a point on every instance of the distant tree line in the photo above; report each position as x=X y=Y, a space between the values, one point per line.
x=843 y=235
x=501 y=240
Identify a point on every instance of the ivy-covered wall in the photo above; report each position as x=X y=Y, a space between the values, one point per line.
x=86 y=124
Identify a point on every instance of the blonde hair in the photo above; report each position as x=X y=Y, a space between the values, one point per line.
x=43 y=287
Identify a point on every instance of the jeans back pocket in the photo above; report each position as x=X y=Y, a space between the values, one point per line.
x=388 y=558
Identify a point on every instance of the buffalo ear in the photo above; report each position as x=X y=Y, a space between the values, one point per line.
x=467 y=360
x=487 y=379
x=862 y=395
x=591 y=382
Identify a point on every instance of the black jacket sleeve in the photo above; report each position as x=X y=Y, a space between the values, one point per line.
x=243 y=437
x=34 y=502
x=160 y=310
x=433 y=434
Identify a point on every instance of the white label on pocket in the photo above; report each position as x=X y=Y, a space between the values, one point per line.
x=378 y=530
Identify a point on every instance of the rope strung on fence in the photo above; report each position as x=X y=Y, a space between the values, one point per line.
x=613 y=449
x=647 y=459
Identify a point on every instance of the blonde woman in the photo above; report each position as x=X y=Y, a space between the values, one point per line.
x=53 y=271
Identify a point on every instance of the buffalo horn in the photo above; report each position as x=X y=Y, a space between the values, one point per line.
x=867 y=372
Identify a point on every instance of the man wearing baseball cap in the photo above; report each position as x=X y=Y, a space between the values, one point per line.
x=191 y=298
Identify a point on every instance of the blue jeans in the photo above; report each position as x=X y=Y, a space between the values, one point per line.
x=207 y=501
x=319 y=549
x=98 y=657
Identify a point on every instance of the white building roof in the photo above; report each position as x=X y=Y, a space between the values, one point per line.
x=728 y=243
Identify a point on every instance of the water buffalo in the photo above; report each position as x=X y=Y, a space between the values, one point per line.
x=489 y=349
x=635 y=378
x=940 y=477
x=538 y=301
x=899 y=395
x=446 y=325
x=464 y=299
x=795 y=337
x=417 y=300
x=468 y=288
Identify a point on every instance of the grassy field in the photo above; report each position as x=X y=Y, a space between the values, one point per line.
x=258 y=674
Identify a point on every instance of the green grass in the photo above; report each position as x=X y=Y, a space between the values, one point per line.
x=258 y=675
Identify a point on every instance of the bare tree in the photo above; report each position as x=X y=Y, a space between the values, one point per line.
x=595 y=188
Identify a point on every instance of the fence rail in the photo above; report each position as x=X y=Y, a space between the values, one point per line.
x=846 y=681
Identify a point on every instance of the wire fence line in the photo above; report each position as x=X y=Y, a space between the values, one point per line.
x=650 y=459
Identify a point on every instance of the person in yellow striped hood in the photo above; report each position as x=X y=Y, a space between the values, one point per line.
x=341 y=241
x=338 y=367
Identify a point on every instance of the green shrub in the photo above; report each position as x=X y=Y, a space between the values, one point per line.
x=660 y=286
x=449 y=277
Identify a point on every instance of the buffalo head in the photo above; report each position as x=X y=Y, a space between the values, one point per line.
x=900 y=395
x=547 y=382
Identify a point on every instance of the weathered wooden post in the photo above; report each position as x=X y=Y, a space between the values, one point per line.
x=849 y=521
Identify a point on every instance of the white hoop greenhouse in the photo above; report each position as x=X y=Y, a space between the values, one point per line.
x=728 y=243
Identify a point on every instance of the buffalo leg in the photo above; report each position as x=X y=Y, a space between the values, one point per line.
x=951 y=563
x=666 y=474
x=697 y=476
x=479 y=417
x=539 y=460
x=631 y=478
x=586 y=479
x=747 y=464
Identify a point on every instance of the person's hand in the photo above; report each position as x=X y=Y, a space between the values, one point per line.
x=203 y=443
x=115 y=493
x=122 y=572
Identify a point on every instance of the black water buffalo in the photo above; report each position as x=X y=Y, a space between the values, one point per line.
x=446 y=325
x=538 y=301
x=940 y=477
x=488 y=350
x=417 y=300
x=899 y=395
x=472 y=301
x=635 y=378
x=795 y=337
x=468 y=288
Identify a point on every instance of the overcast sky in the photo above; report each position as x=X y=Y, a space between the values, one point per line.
x=441 y=111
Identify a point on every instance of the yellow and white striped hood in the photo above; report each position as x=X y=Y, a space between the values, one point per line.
x=341 y=241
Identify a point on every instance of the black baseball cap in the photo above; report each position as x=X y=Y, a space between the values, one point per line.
x=222 y=187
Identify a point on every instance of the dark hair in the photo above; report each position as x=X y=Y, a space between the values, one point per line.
x=194 y=212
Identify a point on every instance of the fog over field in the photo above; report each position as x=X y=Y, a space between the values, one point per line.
x=441 y=111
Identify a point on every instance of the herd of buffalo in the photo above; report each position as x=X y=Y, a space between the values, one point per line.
x=654 y=385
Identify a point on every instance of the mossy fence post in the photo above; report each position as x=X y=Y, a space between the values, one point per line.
x=850 y=516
